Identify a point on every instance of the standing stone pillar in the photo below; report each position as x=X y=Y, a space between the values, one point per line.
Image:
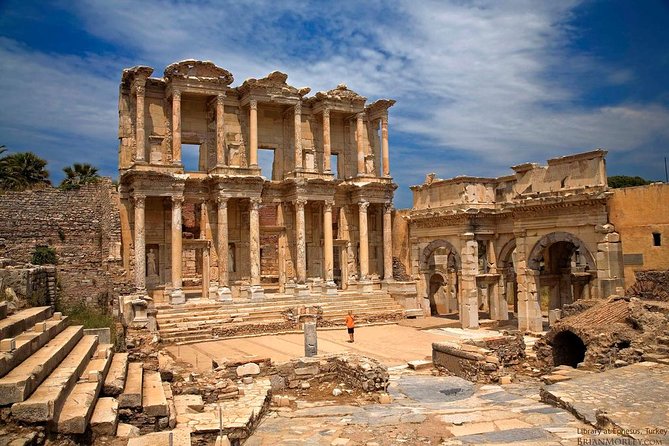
x=177 y=295
x=360 y=143
x=256 y=291
x=301 y=249
x=388 y=241
x=384 y=145
x=220 y=129
x=469 y=302
x=298 y=136
x=176 y=126
x=310 y=339
x=140 y=243
x=328 y=249
x=365 y=283
x=224 y=293
x=327 y=150
x=529 y=310
x=139 y=125
x=253 y=130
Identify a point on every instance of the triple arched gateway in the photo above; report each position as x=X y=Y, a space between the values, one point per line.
x=515 y=247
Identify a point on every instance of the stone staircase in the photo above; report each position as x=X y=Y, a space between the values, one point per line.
x=206 y=320
x=54 y=375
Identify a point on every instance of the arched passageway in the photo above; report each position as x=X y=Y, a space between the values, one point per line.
x=440 y=264
x=568 y=349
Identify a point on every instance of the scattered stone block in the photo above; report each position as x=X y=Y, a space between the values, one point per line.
x=8 y=345
x=115 y=380
x=124 y=430
x=132 y=393
x=505 y=379
x=420 y=364
x=105 y=417
x=248 y=369
x=247 y=380
x=384 y=398
x=311 y=370
x=154 y=401
x=39 y=327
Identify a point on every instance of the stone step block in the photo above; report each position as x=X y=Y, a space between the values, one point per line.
x=19 y=383
x=154 y=402
x=49 y=397
x=179 y=437
x=80 y=403
x=23 y=320
x=29 y=342
x=132 y=392
x=115 y=380
x=105 y=417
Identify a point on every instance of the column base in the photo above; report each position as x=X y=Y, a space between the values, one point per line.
x=140 y=316
x=223 y=294
x=329 y=288
x=302 y=290
x=256 y=292
x=365 y=286
x=177 y=297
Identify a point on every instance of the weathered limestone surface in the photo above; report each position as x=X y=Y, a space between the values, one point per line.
x=115 y=380
x=154 y=402
x=23 y=320
x=132 y=393
x=105 y=416
x=18 y=384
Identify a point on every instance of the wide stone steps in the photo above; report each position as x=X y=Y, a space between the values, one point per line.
x=22 y=380
x=22 y=320
x=80 y=403
x=49 y=397
x=115 y=380
x=28 y=342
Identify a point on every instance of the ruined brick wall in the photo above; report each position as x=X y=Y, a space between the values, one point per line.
x=83 y=226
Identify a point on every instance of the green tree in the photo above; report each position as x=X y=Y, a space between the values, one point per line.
x=617 y=181
x=20 y=171
x=79 y=174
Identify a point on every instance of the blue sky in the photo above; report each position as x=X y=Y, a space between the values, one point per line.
x=480 y=85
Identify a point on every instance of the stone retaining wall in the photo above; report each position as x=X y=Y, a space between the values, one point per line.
x=484 y=362
x=83 y=226
x=27 y=286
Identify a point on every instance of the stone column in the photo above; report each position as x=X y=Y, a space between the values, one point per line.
x=176 y=126
x=529 y=310
x=388 y=242
x=256 y=291
x=140 y=243
x=253 y=133
x=139 y=125
x=220 y=129
x=300 y=236
x=328 y=252
x=360 y=145
x=384 y=145
x=364 y=241
x=177 y=295
x=224 y=293
x=469 y=302
x=326 y=141
x=298 y=136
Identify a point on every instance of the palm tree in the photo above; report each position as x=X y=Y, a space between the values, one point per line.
x=20 y=171
x=79 y=174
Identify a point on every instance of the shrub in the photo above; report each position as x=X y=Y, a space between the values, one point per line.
x=44 y=255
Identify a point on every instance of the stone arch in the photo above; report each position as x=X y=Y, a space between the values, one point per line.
x=505 y=267
x=554 y=237
x=433 y=246
x=505 y=253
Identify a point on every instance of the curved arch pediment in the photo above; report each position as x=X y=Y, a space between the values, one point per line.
x=535 y=255
x=198 y=69
x=433 y=246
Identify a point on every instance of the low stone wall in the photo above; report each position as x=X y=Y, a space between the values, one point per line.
x=485 y=362
x=27 y=286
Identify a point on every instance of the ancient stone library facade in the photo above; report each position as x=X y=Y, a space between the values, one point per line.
x=526 y=243
x=289 y=193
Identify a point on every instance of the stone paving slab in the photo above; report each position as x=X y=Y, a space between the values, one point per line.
x=634 y=398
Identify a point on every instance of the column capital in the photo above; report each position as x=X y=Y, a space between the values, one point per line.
x=384 y=119
x=222 y=202
x=363 y=205
x=177 y=200
x=140 y=89
x=220 y=98
x=298 y=107
x=300 y=203
x=139 y=200
x=388 y=208
x=328 y=205
x=176 y=94
x=253 y=103
x=326 y=113
x=255 y=203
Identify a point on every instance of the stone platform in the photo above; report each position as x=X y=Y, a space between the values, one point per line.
x=633 y=398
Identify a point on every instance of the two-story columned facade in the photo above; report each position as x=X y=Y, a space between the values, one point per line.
x=232 y=192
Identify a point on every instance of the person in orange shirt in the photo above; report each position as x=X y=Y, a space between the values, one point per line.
x=350 y=325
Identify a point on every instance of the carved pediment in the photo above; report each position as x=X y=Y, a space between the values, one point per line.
x=341 y=93
x=139 y=72
x=274 y=83
x=198 y=69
